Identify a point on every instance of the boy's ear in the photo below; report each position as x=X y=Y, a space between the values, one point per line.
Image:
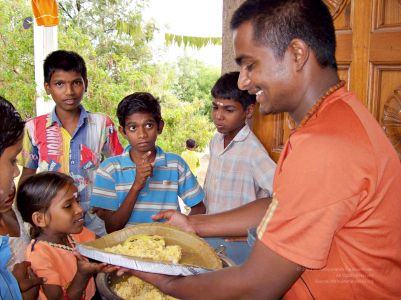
x=86 y=85
x=47 y=88
x=122 y=131
x=249 y=111
x=39 y=219
x=160 y=127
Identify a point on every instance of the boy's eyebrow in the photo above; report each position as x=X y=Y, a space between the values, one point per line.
x=218 y=103
x=79 y=78
x=134 y=123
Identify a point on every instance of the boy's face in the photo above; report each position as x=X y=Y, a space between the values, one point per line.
x=141 y=131
x=9 y=170
x=67 y=89
x=229 y=116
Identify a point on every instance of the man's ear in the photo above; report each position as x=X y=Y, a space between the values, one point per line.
x=160 y=127
x=47 y=88
x=39 y=219
x=299 y=52
x=249 y=111
x=122 y=131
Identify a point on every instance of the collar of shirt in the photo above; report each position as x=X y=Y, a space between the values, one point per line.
x=241 y=136
x=54 y=119
x=160 y=159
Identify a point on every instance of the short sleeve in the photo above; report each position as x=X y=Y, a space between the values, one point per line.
x=104 y=193
x=189 y=189
x=29 y=156
x=112 y=146
x=305 y=238
x=43 y=265
x=263 y=169
x=317 y=189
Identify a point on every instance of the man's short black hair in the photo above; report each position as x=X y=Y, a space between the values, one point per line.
x=277 y=22
x=65 y=61
x=139 y=102
x=11 y=125
x=226 y=87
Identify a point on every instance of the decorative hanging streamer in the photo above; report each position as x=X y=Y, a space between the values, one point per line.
x=45 y=12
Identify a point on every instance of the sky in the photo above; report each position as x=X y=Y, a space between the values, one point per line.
x=201 y=18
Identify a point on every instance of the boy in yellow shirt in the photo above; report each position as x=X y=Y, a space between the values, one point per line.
x=191 y=157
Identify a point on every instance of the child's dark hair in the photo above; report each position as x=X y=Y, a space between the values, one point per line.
x=190 y=143
x=36 y=193
x=66 y=61
x=226 y=87
x=11 y=125
x=139 y=102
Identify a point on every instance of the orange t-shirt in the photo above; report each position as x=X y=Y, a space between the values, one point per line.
x=336 y=206
x=59 y=266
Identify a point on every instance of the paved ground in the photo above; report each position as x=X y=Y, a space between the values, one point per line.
x=204 y=162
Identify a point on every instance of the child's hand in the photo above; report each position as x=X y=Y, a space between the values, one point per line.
x=26 y=278
x=143 y=171
x=86 y=268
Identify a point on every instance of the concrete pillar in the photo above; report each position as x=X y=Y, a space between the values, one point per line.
x=45 y=41
x=228 y=62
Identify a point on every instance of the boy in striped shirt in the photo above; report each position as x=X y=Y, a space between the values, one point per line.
x=144 y=180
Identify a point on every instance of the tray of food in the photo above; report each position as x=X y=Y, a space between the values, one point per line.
x=128 y=287
x=154 y=247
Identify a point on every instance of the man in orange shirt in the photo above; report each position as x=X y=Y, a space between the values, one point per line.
x=332 y=227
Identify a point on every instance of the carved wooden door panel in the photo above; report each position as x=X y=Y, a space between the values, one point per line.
x=369 y=58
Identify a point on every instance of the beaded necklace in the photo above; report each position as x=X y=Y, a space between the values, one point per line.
x=61 y=246
x=313 y=110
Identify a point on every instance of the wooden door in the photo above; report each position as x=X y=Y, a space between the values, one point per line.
x=369 y=59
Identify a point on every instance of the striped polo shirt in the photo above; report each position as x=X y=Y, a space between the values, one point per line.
x=171 y=179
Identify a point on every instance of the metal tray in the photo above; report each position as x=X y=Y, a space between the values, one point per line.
x=197 y=256
x=104 y=282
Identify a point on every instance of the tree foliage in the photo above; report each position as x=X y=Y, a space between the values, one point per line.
x=194 y=81
x=17 y=81
x=114 y=40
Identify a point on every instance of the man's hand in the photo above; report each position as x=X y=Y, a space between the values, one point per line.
x=26 y=278
x=143 y=171
x=176 y=219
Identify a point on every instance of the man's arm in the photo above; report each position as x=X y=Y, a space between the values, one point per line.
x=265 y=275
x=26 y=172
x=234 y=222
x=199 y=208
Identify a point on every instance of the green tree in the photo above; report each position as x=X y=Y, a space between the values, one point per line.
x=194 y=81
x=118 y=62
x=183 y=121
x=16 y=56
x=114 y=41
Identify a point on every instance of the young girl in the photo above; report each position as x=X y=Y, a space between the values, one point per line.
x=49 y=202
